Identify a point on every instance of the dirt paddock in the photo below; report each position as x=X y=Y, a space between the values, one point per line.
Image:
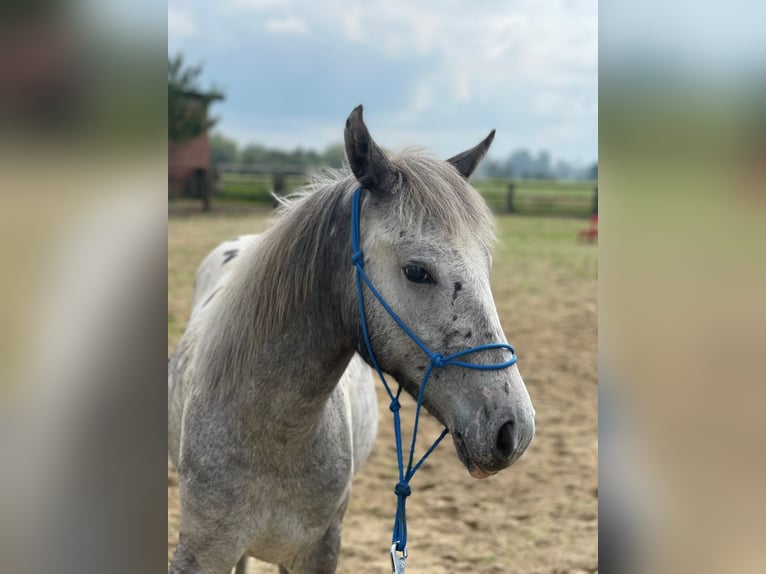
x=539 y=516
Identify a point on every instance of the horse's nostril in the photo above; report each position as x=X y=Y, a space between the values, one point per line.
x=505 y=443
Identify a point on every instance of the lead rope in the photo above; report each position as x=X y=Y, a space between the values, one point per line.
x=402 y=488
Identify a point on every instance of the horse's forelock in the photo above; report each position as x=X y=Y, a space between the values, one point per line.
x=435 y=190
x=431 y=189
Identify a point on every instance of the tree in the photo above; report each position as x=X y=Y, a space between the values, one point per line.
x=223 y=149
x=564 y=170
x=522 y=164
x=253 y=153
x=542 y=169
x=334 y=155
x=187 y=103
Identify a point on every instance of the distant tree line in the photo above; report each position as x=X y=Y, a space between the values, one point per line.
x=520 y=164
x=226 y=150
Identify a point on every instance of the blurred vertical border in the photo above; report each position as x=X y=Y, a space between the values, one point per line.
x=83 y=291
x=682 y=314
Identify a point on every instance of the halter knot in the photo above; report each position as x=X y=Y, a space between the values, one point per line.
x=437 y=360
x=394 y=406
x=357 y=259
x=402 y=489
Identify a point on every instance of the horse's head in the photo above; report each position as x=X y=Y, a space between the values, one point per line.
x=426 y=235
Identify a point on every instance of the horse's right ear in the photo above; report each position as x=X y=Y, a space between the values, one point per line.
x=368 y=162
x=465 y=163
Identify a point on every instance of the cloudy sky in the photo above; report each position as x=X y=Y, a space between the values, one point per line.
x=437 y=74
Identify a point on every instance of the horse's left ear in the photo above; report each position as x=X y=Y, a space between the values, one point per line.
x=468 y=161
x=367 y=161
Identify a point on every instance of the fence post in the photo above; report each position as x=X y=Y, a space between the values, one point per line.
x=509 y=198
x=279 y=188
x=595 y=200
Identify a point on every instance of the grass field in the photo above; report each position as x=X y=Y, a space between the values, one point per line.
x=541 y=515
x=533 y=197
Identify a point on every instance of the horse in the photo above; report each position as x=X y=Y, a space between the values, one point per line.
x=271 y=399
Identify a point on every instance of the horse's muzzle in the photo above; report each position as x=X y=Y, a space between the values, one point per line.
x=498 y=449
x=513 y=438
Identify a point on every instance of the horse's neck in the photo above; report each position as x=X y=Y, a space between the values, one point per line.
x=300 y=363
x=294 y=363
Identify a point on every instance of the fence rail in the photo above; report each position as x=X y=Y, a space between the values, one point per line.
x=518 y=199
x=541 y=197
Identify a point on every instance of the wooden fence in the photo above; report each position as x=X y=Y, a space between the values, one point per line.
x=540 y=197
x=519 y=201
x=257 y=182
x=522 y=197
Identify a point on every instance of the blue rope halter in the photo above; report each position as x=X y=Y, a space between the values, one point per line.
x=402 y=489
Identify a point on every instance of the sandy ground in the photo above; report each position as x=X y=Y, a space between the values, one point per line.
x=539 y=516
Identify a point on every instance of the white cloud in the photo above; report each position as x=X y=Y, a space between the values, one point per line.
x=259 y=5
x=180 y=23
x=289 y=25
x=481 y=49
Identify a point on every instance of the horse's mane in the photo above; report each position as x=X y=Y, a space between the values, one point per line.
x=309 y=229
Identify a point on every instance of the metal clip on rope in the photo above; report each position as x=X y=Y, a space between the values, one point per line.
x=398 y=560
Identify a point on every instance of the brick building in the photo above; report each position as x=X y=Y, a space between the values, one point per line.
x=189 y=168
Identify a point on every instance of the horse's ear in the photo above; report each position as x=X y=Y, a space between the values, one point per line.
x=469 y=160
x=367 y=161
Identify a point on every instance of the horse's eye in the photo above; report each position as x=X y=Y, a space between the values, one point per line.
x=417 y=274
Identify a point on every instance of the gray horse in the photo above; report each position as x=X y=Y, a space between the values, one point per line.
x=271 y=404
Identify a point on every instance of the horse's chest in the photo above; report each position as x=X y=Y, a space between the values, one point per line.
x=297 y=513
x=299 y=501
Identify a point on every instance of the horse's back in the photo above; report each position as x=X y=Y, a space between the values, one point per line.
x=217 y=266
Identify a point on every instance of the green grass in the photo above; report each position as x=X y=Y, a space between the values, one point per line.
x=254 y=187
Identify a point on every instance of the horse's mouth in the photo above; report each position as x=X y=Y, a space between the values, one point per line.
x=465 y=457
